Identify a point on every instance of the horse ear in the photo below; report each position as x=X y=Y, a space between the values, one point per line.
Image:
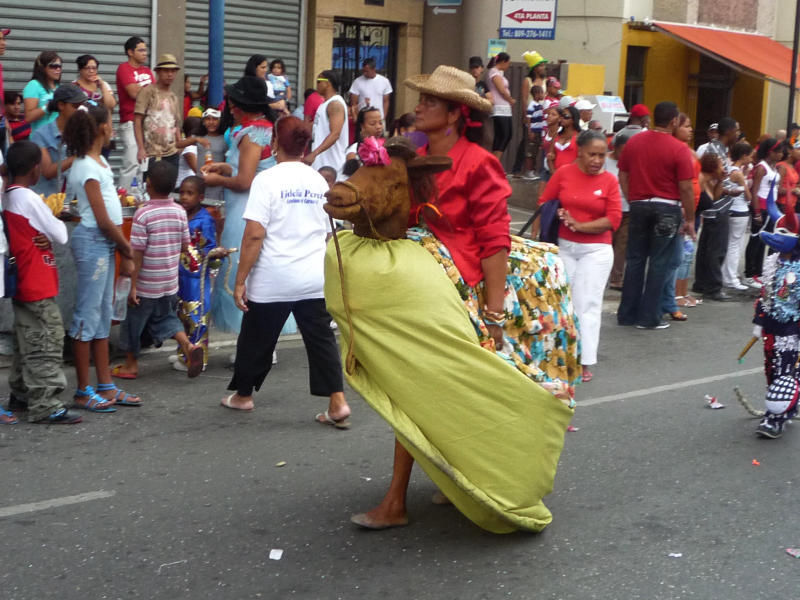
x=425 y=165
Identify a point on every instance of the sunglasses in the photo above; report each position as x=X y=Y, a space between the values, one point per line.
x=55 y=65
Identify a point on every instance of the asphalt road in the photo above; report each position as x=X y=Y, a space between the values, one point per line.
x=184 y=499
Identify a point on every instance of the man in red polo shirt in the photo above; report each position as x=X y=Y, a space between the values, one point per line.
x=655 y=172
x=132 y=76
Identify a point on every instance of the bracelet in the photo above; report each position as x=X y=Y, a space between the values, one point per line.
x=493 y=315
x=499 y=323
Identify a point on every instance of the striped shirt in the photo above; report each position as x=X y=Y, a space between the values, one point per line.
x=535 y=114
x=159 y=231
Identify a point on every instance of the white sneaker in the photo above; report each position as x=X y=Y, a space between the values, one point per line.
x=173 y=358
x=752 y=283
x=530 y=176
x=274 y=358
x=739 y=286
x=179 y=366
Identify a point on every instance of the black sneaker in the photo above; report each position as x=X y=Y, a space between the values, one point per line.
x=61 y=417
x=661 y=325
x=770 y=429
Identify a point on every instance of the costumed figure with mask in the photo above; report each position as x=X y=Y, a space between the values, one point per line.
x=777 y=319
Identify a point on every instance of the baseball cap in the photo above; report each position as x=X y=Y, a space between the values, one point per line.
x=713 y=127
x=566 y=101
x=640 y=110
x=584 y=104
x=5 y=32
x=71 y=94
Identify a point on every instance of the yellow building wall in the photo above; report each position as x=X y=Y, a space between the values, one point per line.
x=408 y=14
x=584 y=80
x=749 y=105
x=666 y=71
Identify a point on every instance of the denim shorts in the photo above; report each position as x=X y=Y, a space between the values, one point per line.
x=94 y=263
x=159 y=316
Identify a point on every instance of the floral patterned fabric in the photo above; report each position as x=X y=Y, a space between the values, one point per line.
x=541 y=331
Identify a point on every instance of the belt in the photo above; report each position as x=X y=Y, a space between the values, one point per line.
x=660 y=200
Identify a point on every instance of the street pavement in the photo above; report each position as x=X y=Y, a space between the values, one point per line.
x=657 y=497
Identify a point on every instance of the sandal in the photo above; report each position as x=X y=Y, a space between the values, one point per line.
x=120 y=398
x=694 y=301
x=683 y=301
x=678 y=316
x=326 y=419
x=7 y=417
x=587 y=376
x=94 y=403
x=116 y=371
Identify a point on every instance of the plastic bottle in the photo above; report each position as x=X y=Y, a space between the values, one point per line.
x=121 y=290
x=136 y=192
x=209 y=156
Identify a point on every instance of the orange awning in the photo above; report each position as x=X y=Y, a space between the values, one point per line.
x=757 y=54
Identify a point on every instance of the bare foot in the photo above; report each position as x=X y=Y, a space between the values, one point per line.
x=237 y=402
x=379 y=518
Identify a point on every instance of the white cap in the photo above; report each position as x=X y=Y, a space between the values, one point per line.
x=584 y=104
x=566 y=101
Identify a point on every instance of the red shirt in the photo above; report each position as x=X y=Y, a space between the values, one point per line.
x=311 y=105
x=789 y=180
x=655 y=163
x=27 y=216
x=126 y=74
x=565 y=155
x=472 y=199
x=587 y=198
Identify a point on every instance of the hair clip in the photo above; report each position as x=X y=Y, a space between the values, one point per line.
x=92 y=102
x=83 y=108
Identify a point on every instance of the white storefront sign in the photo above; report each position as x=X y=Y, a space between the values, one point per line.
x=528 y=19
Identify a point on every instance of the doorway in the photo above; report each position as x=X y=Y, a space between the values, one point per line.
x=714 y=94
x=354 y=41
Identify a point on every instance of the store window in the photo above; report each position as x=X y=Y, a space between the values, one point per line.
x=634 y=75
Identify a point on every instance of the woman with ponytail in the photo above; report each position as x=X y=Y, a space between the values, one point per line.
x=94 y=242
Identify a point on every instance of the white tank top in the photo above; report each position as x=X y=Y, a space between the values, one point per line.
x=335 y=155
x=766 y=181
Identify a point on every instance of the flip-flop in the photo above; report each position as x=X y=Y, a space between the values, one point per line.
x=120 y=398
x=587 y=376
x=362 y=520
x=326 y=419
x=226 y=402
x=117 y=372
x=195 y=364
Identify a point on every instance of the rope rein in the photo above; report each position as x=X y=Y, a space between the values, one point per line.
x=350 y=360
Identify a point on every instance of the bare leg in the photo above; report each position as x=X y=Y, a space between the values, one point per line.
x=338 y=409
x=391 y=512
x=102 y=367
x=81 y=351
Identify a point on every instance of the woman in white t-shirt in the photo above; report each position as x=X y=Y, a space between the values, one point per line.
x=281 y=272
x=502 y=101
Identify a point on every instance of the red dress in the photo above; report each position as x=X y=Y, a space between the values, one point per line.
x=474 y=221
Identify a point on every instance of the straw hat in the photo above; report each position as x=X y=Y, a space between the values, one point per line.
x=533 y=58
x=167 y=61
x=451 y=84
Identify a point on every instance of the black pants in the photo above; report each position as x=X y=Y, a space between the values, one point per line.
x=261 y=326
x=711 y=250
x=754 y=253
x=502 y=132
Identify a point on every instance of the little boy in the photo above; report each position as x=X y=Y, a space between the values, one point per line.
x=535 y=121
x=198 y=261
x=36 y=377
x=158 y=234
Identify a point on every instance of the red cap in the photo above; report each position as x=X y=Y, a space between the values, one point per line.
x=553 y=82
x=640 y=110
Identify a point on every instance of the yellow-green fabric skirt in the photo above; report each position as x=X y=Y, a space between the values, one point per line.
x=486 y=434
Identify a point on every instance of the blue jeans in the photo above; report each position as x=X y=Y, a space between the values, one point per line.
x=652 y=237
x=668 y=303
x=94 y=262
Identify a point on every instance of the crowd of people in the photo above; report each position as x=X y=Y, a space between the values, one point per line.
x=239 y=237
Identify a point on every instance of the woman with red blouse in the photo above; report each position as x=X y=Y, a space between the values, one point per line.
x=564 y=149
x=591 y=209
x=468 y=226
